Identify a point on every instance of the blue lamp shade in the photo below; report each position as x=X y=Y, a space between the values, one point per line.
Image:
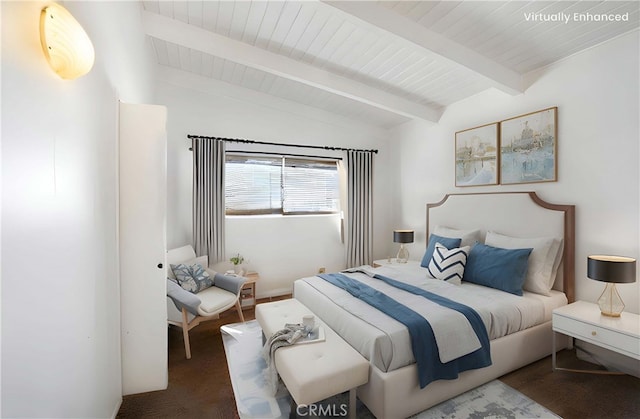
x=612 y=270
x=402 y=237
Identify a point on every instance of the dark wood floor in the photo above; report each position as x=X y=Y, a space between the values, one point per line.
x=201 y=388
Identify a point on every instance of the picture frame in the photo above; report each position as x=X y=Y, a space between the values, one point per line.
x=476 y=156
x=529 y=148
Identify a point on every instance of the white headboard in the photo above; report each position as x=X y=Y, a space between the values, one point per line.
x=519 y=214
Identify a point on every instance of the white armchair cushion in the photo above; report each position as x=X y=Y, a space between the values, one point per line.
x=214 y=300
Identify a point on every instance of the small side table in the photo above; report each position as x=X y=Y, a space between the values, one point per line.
x=392 y=262
x=248 y=292
x=583 y=321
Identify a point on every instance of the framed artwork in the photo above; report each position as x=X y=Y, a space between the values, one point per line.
x=477 y=156
x=528 y=148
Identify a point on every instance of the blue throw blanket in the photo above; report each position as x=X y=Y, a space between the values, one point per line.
x=423 y=341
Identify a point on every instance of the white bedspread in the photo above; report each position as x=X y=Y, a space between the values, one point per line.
x=386 y=342
x=454 y=334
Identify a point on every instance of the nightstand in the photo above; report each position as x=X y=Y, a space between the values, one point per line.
x=583 y=321
x=248 y=292
x=392 y=262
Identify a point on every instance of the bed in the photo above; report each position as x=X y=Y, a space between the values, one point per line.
x=394 y=389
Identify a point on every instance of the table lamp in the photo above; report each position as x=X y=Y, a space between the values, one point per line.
x=612 y=270
x=402 y=237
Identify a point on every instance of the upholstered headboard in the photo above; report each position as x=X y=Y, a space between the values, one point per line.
x=520 y=214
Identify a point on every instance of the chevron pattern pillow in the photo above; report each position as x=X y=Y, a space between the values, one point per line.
x=448 y=264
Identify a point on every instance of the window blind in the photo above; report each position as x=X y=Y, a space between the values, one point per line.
x=280 y=185
x=310 y=186
x=253 y=185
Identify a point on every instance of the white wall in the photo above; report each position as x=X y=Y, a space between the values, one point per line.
x=60 y=293
x=281 y=249
x=597 y=95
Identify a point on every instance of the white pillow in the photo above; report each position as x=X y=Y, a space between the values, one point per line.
x=543 y=259
x=468 y=237
x=200 y=260
x=448 y=264
x=559 y=250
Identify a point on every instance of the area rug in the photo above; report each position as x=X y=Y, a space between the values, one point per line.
x=242 y=345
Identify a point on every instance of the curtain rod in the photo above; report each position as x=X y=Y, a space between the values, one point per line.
x=268 y=153
x=244 y=141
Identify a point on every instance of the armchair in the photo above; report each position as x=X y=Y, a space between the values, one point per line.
x=186 y=309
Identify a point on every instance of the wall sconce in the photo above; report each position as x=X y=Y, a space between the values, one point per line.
x=66 y=45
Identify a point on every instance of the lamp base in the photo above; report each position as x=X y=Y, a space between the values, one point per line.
x=610 y=303
x=403 y=254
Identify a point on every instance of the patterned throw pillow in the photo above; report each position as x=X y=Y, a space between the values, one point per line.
x=192 y=278
x=448 y=264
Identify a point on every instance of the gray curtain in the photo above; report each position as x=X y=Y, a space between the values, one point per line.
x=208 y=198
x=359 y=210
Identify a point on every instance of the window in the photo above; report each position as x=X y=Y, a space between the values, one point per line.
x=280 y=185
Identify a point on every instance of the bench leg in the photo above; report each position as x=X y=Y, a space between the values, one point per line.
x=293 y=407
x=352 y=403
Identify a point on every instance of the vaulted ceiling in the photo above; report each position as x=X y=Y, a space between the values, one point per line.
x=378 y=62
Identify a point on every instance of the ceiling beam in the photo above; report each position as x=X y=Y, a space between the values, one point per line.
x=199 y=39
x=406 y=30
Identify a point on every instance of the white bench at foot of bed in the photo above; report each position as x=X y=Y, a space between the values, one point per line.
x=315 y=371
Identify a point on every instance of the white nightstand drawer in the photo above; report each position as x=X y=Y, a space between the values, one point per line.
x=598 y=335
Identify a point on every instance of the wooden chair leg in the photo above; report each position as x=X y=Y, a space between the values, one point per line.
x=185 y=333
x=239 y=309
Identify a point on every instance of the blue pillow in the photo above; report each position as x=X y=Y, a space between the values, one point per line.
x=447 y=242
x=503 y=269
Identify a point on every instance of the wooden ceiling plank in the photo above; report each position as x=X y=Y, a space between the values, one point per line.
x=207 y=65
x=307 y=39
x=166 y=8
x=195 y=13
x=239 y=22
x=409 y=31
x=218 y=66
x=287 y=18
x=199 y=39
x=254 y=21
x=268 y=24
x=330 y=26
x=173 y=54
x=185 y=58
x=161 y=51
x=224 y=17
x=195 y=61
x=151 y=5
x=297 y=30
x=210 y=15
x=181 y=11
